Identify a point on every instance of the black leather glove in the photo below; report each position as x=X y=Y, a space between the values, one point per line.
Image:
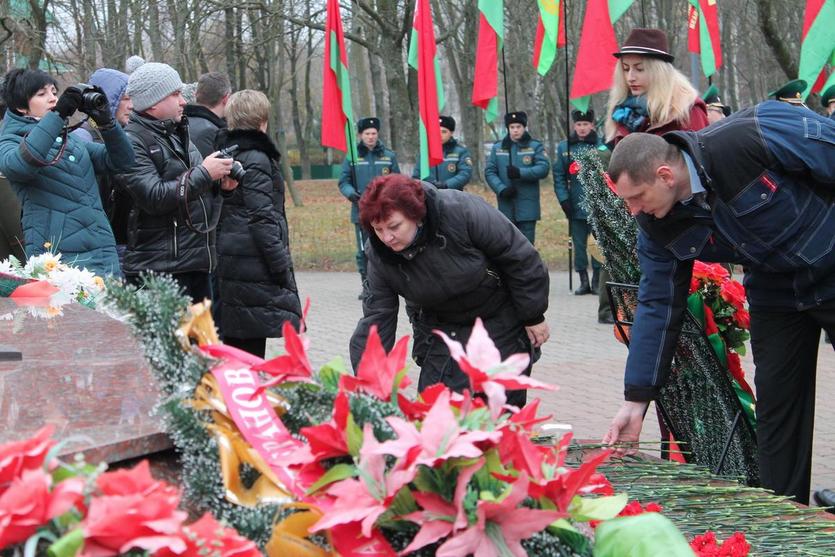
x=566 y=208
x=69 y=101
x=102 y=117
x=513 y=172
x=508 y=193
x=354 y=196
x=441 y=185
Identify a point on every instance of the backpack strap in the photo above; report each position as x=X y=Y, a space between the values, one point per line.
x=152 y=147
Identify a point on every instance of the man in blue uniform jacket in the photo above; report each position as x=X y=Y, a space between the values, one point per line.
x=756 y=189
x=516 y=165
x=571 y=195
x=457 y=169
x=374 y=160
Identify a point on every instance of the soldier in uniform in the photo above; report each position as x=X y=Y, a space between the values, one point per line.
x=828 y=101
x=791 y=92
x=716 y=110
x=571 y=196
x=457 y=169
x=516 y=165
x=373 y=160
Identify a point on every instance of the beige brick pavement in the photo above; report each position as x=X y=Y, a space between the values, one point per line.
x=582 y=357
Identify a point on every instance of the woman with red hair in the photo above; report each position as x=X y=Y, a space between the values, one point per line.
x=453 y=258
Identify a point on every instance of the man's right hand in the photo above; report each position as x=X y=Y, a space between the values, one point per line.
x=217 y=167
x=626 y=427
x=354 y=196
x=566 y=208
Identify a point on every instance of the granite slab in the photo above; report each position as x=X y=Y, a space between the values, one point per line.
x=82 y=372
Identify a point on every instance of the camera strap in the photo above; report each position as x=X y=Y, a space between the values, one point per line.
x=32 y=159
x=183 y=209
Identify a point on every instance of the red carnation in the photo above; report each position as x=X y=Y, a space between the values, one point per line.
x=18 y=456
x=573 y=168
x=734 y=293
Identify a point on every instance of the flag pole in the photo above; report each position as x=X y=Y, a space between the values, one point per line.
x=564 y=17
x=504 y=80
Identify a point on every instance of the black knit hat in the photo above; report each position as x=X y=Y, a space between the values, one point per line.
x=647 y=42
x=447 y=122
x=518 y=117
x=370 y=122
x=580 y=116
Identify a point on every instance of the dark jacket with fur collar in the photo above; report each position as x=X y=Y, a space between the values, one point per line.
x=257 y=287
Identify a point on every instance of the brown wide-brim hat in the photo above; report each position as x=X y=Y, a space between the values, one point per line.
x=647 y=42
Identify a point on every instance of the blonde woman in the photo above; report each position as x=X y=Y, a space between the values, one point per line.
x=649 y=94
x=257 y=286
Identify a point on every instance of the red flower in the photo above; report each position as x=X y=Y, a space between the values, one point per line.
x=508 y=525
x=743 y=318
x=28 y=504
x=710 y=322
x=482 y=362
x=133 y=481
x=18 y=456
x=734 y=293
x=117 y=523
x=377 y=371
x=327 y=440
x=562 y=488
x=574 y=167
x=292 y=366
x=706 y=545
x=710 y=272
x=207 y=533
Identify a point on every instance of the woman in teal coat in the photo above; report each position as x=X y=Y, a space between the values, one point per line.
x=54 y=174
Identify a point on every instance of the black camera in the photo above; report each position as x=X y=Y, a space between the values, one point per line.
x=237 y=172
x=92 y=98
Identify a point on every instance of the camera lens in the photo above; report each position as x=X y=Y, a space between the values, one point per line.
x=93 y=100
x=237 y=172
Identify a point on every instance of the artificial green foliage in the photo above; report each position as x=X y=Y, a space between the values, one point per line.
x=155 y=311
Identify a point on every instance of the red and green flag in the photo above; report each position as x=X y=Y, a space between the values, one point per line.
x=490 y=42
x=817 y=47
x=595 y=64
x=550 y=35
x=423 y=56
x=337 y=115
x=703 y=34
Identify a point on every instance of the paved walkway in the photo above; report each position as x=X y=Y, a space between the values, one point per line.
x=582 y=357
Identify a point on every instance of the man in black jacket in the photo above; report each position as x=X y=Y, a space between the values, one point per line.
x=207 y=117
x=174 y=189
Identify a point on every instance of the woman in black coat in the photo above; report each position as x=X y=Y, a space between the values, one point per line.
x=453 y=258
x=257 y=288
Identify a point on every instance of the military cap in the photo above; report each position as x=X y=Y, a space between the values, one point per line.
x=447 y=122
x=828 y=96
x=517 y=117
x=580 y=116
x=370 y=122
x=791 y=92
x=711 y=98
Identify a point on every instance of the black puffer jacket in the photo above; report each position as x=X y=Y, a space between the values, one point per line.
x=158 y=238
x=204 y=127
x=468 y=261
x=257 y=287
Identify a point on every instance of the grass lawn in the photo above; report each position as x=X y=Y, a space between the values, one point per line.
x=322 y=236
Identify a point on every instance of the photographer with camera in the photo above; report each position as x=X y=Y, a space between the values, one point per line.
x=255 y=271
x=176 y=193
x=53 y=173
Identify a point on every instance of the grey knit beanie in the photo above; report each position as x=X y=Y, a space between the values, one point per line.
x=150 y=83
x=132 y=63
